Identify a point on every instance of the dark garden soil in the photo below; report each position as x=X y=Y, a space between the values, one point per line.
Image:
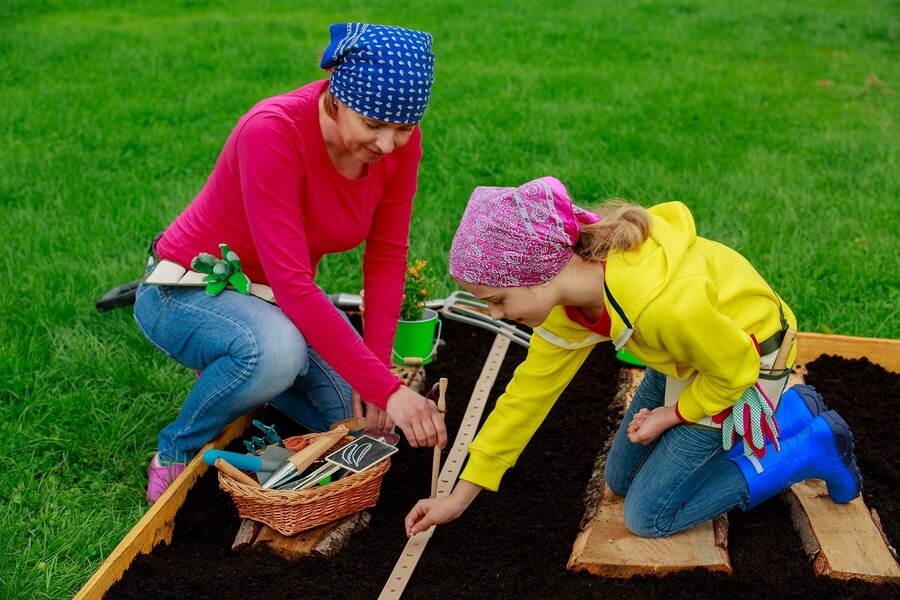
x=515 y=544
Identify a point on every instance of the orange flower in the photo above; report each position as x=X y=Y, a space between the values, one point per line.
x=415 y=291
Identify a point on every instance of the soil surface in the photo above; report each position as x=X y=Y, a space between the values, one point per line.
x=515 y=543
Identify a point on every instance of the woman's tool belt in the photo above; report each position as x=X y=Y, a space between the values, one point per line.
x=166 y=272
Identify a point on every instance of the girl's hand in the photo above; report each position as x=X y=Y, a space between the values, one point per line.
x=436 y=511
x=637 y=420
x=417 y=418
x=646 y=426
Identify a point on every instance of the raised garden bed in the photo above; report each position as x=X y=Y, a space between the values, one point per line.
x=516 y=544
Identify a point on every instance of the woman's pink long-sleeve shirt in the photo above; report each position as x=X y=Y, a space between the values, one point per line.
x=276 y=199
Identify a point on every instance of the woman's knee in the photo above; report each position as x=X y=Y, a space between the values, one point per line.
x=280 y=356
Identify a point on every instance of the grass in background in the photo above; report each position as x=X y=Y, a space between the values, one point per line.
x=776 y=123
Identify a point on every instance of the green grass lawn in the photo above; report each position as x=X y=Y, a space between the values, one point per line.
x=775 y=121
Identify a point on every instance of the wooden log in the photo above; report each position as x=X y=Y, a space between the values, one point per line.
x=324 y=540
x=246 y=534
x=413 y=376
x=157 y=523
x=605 y=547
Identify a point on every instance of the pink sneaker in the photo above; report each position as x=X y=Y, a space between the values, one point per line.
x=159 y=477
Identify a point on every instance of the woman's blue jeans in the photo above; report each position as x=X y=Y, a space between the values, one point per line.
x=248 y=353
x=680 y=480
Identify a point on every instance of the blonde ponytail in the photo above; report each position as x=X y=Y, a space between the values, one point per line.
x=622 y=226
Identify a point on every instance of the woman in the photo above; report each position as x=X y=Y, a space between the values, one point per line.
x=316 y=171
x=701 y=318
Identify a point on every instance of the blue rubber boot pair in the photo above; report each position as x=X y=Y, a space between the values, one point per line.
x=824 y=450
x=798 y=406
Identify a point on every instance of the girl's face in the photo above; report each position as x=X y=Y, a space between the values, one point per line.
x=369 y=140
x=527 y=305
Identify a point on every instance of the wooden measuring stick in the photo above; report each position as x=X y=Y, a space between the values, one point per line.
x=436 y=465
x=785 y=350
x=235 y=473
x=415 y=545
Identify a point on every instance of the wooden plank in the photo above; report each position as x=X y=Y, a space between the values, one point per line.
x=608 y=549
x=884 y=352
x=605 y=547
x=157 y=523
x=842 y=540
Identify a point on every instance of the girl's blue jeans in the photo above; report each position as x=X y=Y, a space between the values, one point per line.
x=247 y=352
x=680 y=480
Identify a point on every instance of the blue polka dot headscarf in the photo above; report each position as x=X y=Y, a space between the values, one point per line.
x=382 y=72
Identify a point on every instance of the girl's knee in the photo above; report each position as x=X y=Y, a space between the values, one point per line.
x=643 y=525
x=617 y=485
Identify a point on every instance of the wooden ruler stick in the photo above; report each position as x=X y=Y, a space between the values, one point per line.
x=395 y=585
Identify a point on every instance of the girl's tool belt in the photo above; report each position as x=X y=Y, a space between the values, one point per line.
x=167 y=272
x=773 y=373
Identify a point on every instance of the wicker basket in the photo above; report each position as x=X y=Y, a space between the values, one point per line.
x=291 y=511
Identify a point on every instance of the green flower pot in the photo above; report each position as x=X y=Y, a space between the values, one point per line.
x=416 y=341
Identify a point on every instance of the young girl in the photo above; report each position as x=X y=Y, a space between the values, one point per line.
x=705 y=323
x=316 y=171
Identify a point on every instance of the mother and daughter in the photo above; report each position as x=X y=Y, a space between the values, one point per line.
x=334 y=164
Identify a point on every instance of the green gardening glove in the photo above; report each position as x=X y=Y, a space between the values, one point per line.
x=219 y=273
x=753 y=419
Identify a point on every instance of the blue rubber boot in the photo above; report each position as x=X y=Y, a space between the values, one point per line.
x=824 y=450
x=798 y=406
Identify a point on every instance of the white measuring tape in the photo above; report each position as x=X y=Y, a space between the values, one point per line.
x=416 y=544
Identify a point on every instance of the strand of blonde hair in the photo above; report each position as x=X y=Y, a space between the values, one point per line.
x=622 y=226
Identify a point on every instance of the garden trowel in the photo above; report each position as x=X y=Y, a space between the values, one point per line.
x=263 y=465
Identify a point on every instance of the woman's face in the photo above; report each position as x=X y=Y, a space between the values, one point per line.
x=527 y=305
x=369 y=140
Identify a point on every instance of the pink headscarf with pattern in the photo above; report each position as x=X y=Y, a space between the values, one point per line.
x=516 y=237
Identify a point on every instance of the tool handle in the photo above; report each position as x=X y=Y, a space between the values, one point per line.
x=436 y=461
x=785 y=350
x=235 y=474
x=244 y=462
x=352 y=424
x=317 y=447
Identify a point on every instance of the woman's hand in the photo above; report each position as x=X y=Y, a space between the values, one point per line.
x=375 y=417
x=436 y=511
x=646 y=426
x=417 y=418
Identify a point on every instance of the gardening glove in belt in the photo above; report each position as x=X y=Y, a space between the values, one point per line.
x=219 y=273
x=752 y=418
